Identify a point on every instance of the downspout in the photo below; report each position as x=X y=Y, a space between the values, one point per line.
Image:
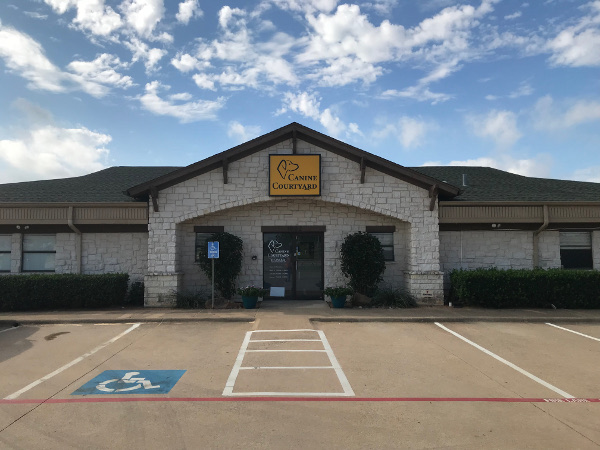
x=536 y=238
x=77 y=239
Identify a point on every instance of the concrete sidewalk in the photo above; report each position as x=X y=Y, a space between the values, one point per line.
x=318 y=311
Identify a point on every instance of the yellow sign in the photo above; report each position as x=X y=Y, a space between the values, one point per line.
x=295 y=175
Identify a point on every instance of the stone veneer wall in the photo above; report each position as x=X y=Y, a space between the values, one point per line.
x=496 y=248
x=246 y=222
x=101 y=253
x=248 y=184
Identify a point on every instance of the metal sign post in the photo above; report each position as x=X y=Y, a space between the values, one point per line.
x=213 y=253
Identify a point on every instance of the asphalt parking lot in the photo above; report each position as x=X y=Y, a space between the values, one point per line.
x=323 y=385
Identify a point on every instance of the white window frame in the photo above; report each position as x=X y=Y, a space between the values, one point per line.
x=6 y=250
x=384 y=230
x=577 y=240
x=40 y=251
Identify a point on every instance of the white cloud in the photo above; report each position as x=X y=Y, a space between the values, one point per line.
x=185 y=62
x=95 y=76
x=409 y=131
x=43 y=150
x=185 y=112
x=307 y=6
x=500 y=126
x=523 y=90
x=203 y=81
x=242 y=133
x=419 y=93
x=92 y=15
x=248 y=63
x=383 y=7
x=514 y=15
x=591 y=174
x=548 y=116
x=577 y=46
x=345 y=47
x=35 y=15
x=308 y=105
x=143 y=16
x=141 y=51
x=227 y=14
x=26 y=57
x=539 y=166
x=187 y=10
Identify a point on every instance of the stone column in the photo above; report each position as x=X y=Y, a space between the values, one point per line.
x=163 y=279
x=424 y=279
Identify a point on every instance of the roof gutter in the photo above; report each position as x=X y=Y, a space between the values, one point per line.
x=77 y=231
x=536 y=237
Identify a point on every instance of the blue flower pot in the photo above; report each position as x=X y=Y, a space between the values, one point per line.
x=338 y=302
x=249 y=302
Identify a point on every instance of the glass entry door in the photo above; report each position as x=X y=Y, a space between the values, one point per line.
x=293 y=262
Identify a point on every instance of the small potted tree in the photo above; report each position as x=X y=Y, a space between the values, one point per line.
x=338 y=295
x=250 y=295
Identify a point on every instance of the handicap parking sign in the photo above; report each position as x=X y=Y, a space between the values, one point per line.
x=131 y=382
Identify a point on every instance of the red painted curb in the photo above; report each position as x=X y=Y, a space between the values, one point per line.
x=298 y=399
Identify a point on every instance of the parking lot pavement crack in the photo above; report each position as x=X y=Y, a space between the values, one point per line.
x=566 y=424
x=135 y=340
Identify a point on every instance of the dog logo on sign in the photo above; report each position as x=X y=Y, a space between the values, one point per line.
x=285 y=167
x=274 y=245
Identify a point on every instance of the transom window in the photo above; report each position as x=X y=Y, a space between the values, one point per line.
x=385 y=234
x=5 y=247
x=39 y=252
x=576 y=250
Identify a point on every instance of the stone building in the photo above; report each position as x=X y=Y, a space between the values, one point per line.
x=293 y=195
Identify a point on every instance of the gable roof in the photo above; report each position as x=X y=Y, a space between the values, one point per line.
x=485 y=184
x=106 y=186
x=292 y=131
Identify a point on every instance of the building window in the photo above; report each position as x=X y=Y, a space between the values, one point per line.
x=576 y=250
x=386 y=238
x=5 y=246
x=203 y=236
x=39 y=253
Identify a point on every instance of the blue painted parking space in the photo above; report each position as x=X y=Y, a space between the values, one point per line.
x=131 y=382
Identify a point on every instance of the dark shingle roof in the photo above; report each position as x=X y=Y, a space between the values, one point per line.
x=485 y=184
x=105 y=186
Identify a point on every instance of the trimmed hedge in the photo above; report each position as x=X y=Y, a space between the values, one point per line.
x=34 y=292
x=494 y=288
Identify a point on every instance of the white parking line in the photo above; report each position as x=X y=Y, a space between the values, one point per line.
x=8 y=329
x=237 y=367
x=508 y=363
x=572 y=331
x=72 y=363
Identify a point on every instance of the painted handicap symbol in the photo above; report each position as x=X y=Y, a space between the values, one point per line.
x=131 y=382
x=128 y=380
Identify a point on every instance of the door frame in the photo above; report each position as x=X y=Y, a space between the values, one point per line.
x=296 y=230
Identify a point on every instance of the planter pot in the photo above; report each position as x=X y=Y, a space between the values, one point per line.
x=249 y=302
x=338 y=302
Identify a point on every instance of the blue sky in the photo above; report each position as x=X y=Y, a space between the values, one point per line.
x=88 y=84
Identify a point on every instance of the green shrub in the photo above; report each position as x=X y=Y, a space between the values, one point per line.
x=135 y=296
x=362 y=261
x=227 y=266
x=64 y=291
x=389 y=297
x=338 y=291
x=190 y=300
x=494 y=288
